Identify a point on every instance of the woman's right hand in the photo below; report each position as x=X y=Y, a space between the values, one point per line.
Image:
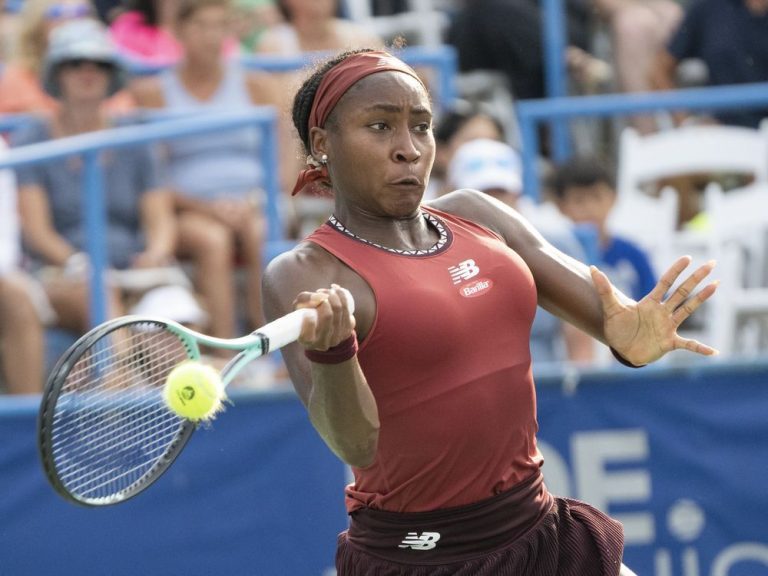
x=334 y=321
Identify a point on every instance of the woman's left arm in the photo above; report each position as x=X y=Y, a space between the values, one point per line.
x=640 y=332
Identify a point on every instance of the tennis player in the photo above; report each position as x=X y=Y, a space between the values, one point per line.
x=427 y=392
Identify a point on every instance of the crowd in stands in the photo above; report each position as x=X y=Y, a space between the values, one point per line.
x=186 y=223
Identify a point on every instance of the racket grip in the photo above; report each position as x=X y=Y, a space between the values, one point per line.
x=286 y=329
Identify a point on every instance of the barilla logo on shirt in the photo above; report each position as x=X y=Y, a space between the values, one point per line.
x=477 y=288
x=465 y=271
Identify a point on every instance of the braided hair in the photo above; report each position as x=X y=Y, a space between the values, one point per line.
x=302 y=102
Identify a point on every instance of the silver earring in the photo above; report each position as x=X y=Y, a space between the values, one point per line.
x=311 y=161
x=324 y=159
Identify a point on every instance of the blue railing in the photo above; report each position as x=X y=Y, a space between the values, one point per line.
x=90 y=145
x=555 y=73
x=531 y=112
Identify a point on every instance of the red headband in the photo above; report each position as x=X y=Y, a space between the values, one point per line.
x=332 y=87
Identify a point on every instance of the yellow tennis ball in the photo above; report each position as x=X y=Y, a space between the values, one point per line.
x=194 y=391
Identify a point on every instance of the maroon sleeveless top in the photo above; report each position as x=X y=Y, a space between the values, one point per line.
x=448 y=361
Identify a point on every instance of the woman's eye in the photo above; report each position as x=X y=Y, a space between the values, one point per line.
x=379 y=126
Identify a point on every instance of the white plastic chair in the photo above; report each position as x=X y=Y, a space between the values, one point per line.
x=690 y=150
x=708 y=149
x=650 y=222
x=737 y=240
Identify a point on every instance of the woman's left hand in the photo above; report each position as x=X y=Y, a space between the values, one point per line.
x=644 y=331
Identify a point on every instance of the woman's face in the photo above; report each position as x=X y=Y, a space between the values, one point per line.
x=84 y=81
x=204 y=32
x=380 y=144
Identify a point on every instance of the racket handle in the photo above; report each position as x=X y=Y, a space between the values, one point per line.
x=286 y=329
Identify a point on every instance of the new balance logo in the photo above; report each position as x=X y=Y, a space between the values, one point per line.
x=423 y=541
x=464 y=271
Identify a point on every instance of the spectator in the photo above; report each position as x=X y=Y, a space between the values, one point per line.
x=143 y=32
x=731 y=38
x=638 y=30
x=454 y=128
x=586 y=193
x=81 y=70
x=216 y=178
x=505 y=35
x=495 y=168
x=21 y=330
x=314 y=25
x=20 y=89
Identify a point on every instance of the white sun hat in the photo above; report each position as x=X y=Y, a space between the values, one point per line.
x=82 y=39
x=484 y=164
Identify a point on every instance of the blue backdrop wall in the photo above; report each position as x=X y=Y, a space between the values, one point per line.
x=679 y=456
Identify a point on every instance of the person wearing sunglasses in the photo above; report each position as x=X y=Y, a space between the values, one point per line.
x=20 y=89
x=81 y=71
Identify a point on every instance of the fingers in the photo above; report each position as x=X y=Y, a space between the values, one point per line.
x=669 y=278
x=333 y=321
x=691 y=304
x=694 y=346
x=683 y=292
x=308 y=300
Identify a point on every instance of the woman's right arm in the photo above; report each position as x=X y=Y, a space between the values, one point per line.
x=338 y=399
x=37 y=227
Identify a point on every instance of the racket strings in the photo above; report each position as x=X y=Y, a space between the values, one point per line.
x=111 y=424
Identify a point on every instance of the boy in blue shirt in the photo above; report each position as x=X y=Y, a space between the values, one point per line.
x=585 y=192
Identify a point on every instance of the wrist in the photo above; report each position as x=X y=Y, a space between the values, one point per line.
x=343 y=351
x=623 y=360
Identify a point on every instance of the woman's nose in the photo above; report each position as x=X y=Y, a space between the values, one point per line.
x=407 y=151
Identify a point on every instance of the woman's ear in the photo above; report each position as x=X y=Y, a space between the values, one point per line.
x=318 y=142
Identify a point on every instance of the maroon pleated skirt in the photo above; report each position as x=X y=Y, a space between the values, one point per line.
x=523 y=532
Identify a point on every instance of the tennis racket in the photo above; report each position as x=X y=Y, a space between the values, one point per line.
x=105 y=433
